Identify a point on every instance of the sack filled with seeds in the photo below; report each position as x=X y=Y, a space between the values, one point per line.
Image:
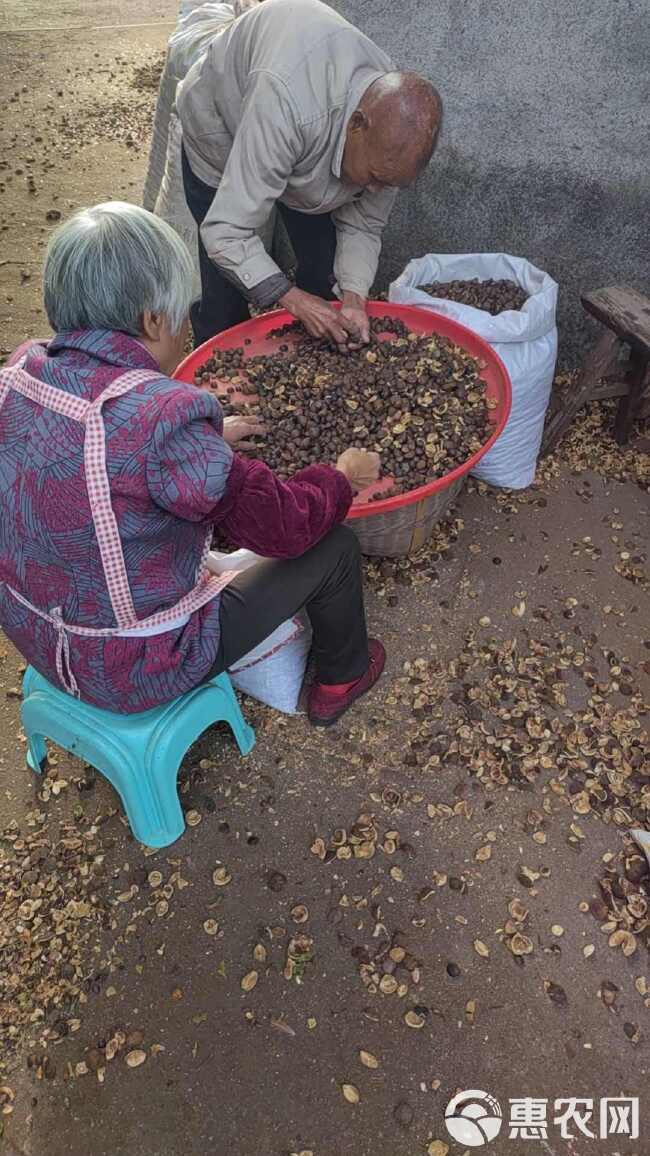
x=511 y=304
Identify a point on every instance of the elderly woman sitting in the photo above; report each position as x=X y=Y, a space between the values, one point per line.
x=113 y=479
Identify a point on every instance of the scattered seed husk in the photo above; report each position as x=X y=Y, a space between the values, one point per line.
x=556 y=993
x=470 y=1011
x=350 y=1093
x=520 y=944
x=437 y=1148
x=637 y=906
x=481 y=948
x=588 y=950
x=318 y=848
x=221 y=877
x=135 y=1058
x=518 y=911
x=623 y=939
x=193 y=818
x=388 y=984
x=210 y=926
x=300 y=913
x=413 y=1019
x=366 y=850
x=249 y=980
x=299 y=954
x=482 y=854
x=259 y=953
x=368 y=1060
x=599 y=909
x=608 y=992
x=155 y=879
x=557 y=930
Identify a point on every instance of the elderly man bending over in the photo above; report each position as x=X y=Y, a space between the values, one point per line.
x=292 y=105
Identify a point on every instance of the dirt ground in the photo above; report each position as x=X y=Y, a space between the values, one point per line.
x=501 y=763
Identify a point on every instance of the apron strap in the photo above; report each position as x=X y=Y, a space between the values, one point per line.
x=99 y=495
x=97 y=483
x=45 y=395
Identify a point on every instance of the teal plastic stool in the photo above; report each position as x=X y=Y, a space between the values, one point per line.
x=138 y=753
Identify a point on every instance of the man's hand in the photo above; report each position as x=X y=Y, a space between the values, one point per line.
x=236 y=429
x=319 y=317
x=354 y=316
x=361 y=467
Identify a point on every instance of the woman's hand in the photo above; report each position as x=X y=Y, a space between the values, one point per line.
x=236 y=429
x=361 y=468
x=320 y=318
x=354 y=316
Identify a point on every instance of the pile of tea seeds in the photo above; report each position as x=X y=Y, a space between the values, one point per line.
x=493 y=296
x=418 y=400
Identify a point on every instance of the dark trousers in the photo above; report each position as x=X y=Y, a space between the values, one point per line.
x=327 y=581
x=313 y=239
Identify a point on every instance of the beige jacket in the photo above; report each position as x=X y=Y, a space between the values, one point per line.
x=264 y=116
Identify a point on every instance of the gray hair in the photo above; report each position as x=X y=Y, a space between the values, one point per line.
x=105 y=266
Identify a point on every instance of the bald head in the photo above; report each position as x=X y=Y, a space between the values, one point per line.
x=392 y=133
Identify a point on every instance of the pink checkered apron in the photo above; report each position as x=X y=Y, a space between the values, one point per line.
x=128 y=624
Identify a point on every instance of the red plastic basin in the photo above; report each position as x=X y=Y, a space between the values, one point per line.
x=418 y=320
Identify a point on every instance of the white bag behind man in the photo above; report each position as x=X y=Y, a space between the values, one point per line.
x=163 y=192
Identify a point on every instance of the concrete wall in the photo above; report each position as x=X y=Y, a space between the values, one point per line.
x=546 y=144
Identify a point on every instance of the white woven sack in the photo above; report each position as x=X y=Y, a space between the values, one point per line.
x=198 y=23
x=274 y=671
x=171 y=205
x=525 y=339
x=164 y=193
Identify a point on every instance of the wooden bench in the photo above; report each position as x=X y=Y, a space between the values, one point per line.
x=618 y=365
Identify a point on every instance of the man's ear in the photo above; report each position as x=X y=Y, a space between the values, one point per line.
x=151 y=325
x=358 y=122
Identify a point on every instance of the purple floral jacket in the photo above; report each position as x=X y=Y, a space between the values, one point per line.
x=171 y=474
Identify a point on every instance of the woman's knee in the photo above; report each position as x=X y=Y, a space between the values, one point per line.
x=347 y=542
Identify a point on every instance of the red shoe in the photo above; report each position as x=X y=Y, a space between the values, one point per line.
x=325 y=706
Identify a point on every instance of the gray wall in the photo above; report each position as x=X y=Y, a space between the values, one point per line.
x=546 y=144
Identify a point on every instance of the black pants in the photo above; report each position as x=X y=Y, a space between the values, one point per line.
x=327 y=581
x=313 y=239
